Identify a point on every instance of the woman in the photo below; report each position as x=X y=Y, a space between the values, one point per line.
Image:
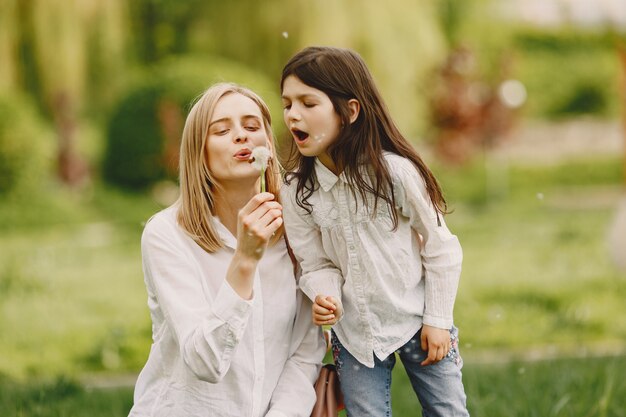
x=232 y=336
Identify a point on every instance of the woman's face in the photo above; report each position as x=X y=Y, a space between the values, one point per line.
x=311 y=117
x=236 y=128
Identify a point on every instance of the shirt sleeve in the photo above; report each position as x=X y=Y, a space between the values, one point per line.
x=207 y=331
x=441 y=251
x=294 y=394
x=319 y=274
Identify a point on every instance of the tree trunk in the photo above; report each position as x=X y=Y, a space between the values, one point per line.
x=72 y=169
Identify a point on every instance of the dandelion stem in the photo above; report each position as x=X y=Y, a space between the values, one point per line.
x=262 y=180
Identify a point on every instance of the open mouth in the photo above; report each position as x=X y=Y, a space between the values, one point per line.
x=299 y=135
x=243 y=154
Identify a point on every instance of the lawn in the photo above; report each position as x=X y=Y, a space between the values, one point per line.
x=537 y=282
x=566 y=387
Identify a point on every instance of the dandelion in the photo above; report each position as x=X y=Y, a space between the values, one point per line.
x=285 y=35
x=539 y=196
x=259 y=158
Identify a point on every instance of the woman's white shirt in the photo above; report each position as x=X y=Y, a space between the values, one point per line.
x=390 y=281
x=214 y=353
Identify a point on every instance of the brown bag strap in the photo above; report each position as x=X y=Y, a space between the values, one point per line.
x=291 y=255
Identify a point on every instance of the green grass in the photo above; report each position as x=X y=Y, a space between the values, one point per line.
x=537 y=273
x=591 y=387
x=537 y=276
x=565 y=387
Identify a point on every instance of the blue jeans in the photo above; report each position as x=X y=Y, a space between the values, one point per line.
x=367 y=391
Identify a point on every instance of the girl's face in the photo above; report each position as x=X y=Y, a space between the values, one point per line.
x=310 y=116
x=235 y=129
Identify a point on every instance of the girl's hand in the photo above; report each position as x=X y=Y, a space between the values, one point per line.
x=257 y=222
x=436 y=342
x=326 y=310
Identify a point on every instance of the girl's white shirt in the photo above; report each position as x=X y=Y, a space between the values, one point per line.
x=214 y=353
x=390 y=282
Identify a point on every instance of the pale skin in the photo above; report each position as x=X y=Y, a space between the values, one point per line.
x=253 y=225
x=251 y=217
x=305 y=108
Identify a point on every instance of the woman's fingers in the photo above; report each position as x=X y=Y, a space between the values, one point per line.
x=255 y=202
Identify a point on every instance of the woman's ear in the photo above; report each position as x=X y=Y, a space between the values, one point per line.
x=355 y=108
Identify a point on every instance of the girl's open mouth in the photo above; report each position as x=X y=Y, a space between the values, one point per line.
x=299 y=135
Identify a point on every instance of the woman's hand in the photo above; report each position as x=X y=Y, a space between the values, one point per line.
x=326 y=310
x=436 y=342
x=256 y=223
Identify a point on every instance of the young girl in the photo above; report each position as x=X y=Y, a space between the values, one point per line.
x=231 y=334
x=364 y=216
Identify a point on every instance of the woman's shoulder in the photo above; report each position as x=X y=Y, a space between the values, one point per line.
x=162 y=222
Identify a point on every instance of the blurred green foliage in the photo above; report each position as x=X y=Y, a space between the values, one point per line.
x=24 y=146
x=143 y=133
x=569 y=73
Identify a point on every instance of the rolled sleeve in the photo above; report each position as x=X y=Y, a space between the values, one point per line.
x=440 y=251
x=207 y=331
x=319 y=274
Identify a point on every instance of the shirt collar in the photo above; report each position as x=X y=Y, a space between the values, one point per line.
x=325 y=176
x=224 y=234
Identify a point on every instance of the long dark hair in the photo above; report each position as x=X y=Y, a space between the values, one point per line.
x=343 y=75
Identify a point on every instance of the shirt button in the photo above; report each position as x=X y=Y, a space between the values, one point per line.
x=351 y=247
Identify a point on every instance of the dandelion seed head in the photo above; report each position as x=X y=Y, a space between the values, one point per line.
x=285 y=35
x=260 y=156
x=539 y=196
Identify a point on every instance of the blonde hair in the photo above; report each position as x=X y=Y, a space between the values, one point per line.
x=196 y=203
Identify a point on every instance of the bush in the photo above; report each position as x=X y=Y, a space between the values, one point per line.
x=24 y=147
x=569 y=73
x=143 y=133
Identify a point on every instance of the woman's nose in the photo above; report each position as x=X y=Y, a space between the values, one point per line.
x=241 y=135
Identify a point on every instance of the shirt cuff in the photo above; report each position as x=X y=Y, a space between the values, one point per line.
x=230 y=307
x=319 y=287
x=438 y=322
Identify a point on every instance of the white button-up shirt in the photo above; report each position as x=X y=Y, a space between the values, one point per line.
x=214 y=353
x=390 y=282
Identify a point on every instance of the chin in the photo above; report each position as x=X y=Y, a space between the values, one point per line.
x=307 y=152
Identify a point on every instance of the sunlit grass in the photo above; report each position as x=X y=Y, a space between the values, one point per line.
x=567 y=387
x=537 y=271
x=536 y=277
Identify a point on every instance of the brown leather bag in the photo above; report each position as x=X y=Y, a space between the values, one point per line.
x=329 y=399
